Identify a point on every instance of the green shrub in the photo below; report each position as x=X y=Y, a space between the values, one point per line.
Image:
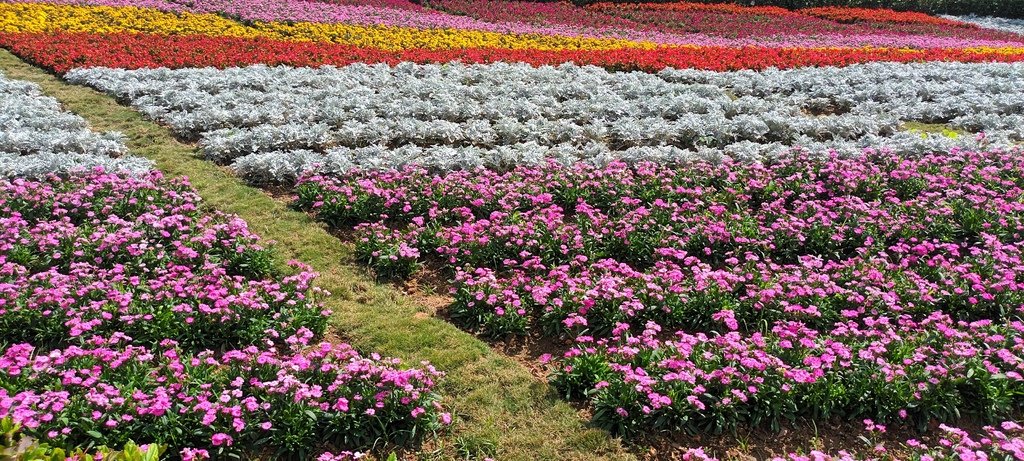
x=17 y=447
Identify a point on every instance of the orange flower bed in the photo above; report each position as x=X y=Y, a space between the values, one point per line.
x=854 y=15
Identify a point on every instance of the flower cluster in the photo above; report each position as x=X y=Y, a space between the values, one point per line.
x=130 y=314
x=40 y=138
x=715 y=295
x=274 y=124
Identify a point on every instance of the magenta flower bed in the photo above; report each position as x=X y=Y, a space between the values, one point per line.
x=128 y=313
x=395 y=4
x=709 y=296
x=364 y=13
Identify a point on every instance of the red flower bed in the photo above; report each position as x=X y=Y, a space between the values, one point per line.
x=884 y=20
x=64 y=51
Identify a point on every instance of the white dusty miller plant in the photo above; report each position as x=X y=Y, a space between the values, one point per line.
x=273 y=123
x=38 y=138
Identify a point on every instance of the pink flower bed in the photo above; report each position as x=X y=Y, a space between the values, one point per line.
x=128 y=313
x=395 y=4
x=709 y=296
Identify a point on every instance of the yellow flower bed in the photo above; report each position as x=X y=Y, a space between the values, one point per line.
x=399 y=38
x=1007 y=50
x=38 y=17
x=35 y=17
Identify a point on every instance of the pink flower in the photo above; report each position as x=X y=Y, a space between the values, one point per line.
x=221 y=438
x=194 y=454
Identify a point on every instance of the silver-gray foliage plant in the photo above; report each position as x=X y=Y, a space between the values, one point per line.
x=274 y=123
x=38 y=138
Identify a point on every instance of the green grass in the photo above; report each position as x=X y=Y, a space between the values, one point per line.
x=502 y=410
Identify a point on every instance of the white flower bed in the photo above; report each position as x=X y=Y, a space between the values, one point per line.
x=38 y=138
x=273 y=123
x=989 y=22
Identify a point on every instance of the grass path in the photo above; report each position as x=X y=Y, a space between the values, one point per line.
x=503 y=410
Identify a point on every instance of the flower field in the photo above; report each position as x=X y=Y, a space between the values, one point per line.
x=867 y=288
x=129 y=313
x=702 y=217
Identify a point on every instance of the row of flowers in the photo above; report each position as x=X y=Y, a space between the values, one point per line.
x=62 y=51
x=720 y=295
x=869 y=15
x=128 y=313
x=275 y=123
